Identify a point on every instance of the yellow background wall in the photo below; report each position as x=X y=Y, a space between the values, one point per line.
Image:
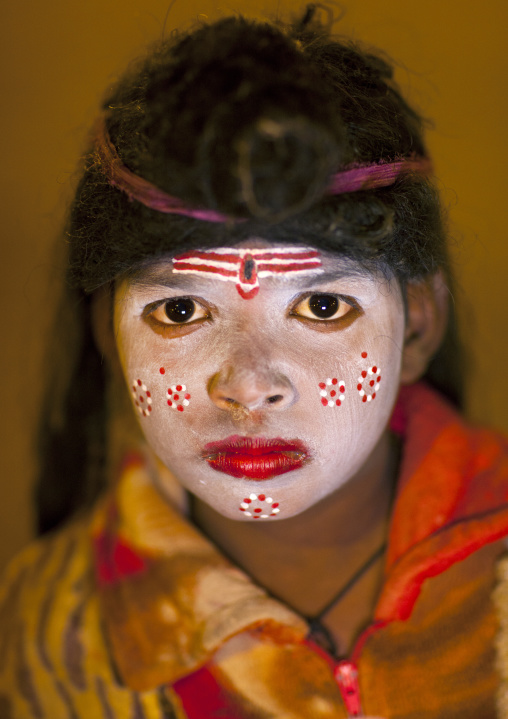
x=58 y=57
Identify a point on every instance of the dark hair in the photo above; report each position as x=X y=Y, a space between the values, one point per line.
x=249 y=119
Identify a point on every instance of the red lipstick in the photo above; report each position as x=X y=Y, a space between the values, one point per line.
x=255 y=458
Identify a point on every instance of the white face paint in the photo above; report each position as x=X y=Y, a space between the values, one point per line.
x=261 y=408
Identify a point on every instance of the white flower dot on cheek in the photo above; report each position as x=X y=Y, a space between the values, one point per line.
x=142 y=397
x=368 y=381
x=332 y=392
x=177 y=397
x=259 y=506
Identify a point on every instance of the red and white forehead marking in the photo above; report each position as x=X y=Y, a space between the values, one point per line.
x=177 y=396
x=259 y=506
x=368 y=382
x=142 y=398
x=332 y=392
x=246 y=266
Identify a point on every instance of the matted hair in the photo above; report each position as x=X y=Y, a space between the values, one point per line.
x=248 y=119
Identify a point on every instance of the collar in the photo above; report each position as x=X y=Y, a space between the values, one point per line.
x=169 y=600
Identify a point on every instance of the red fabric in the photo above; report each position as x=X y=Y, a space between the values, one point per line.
x=452 y=496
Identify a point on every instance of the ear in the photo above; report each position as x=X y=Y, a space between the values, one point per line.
x=102 y=326
x=427 y=319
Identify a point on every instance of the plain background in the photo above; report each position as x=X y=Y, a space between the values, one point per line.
x=58 y=58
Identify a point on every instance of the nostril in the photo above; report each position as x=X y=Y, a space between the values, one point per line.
x=274 y=398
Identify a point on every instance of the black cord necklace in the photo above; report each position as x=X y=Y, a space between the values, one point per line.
x=318 y=631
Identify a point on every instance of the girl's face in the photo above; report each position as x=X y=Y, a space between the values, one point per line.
x=262 y=376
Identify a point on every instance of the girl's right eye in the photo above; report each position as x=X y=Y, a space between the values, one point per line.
x=177 y=311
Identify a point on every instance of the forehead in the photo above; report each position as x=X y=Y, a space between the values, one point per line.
x=248 y=262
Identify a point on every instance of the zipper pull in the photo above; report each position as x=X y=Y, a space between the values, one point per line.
x=346 y=676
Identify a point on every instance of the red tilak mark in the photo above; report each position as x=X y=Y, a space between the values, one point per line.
x=244 y=267
x=162 y=370
x=247 y=295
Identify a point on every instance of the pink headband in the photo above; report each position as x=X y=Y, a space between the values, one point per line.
x=357 y=178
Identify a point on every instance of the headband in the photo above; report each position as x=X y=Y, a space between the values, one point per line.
x=364 y=177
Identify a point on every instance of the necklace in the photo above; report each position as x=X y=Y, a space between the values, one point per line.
x=319 y=633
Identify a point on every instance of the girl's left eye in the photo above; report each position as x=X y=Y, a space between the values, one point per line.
x=323 y=307
x=178 y=311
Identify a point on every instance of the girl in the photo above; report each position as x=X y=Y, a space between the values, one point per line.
x=257 y=496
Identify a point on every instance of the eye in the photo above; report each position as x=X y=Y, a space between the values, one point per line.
x=177 y=311
x=324 y=307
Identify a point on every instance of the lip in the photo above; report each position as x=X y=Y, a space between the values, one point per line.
x=255 y=458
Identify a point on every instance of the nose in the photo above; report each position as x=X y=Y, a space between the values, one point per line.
x=242 y=386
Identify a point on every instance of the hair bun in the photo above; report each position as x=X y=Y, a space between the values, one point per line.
x=277 y=166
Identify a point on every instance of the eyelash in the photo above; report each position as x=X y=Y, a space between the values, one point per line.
x=350 y=302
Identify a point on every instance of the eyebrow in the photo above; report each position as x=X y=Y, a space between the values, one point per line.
x=150 y=277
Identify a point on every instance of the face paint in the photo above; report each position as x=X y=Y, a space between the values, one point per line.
x=255 y=369
x=259 y=506
x=177 y=397
x=245 y=267
x=142 y=398
x=332 y=392
x=368 y=382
